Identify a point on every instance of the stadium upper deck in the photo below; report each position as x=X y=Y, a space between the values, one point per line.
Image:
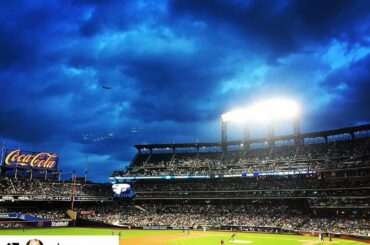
x=346 y=148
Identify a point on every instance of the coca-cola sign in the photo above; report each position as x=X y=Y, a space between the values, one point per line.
x=25 y=159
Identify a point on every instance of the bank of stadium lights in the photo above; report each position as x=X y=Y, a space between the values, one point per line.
x=268 y=111
x=265 y=111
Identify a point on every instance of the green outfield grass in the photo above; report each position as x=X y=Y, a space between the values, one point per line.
x=76 y=231
x=173 y=237
x=260 y=239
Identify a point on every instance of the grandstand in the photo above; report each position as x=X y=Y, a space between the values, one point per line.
x=319 y=183
x=345 y=148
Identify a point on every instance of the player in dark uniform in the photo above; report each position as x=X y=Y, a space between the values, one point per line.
x=233 y=236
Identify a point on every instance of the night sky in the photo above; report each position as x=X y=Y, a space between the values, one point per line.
x=94 y=77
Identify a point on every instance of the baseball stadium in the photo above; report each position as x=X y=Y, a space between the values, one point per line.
x=301 y=188
x=184 y=122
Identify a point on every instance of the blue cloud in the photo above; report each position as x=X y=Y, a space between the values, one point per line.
x=173 y=67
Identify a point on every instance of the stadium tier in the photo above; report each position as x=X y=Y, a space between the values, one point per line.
x=25 y=189
x=345 y=153
x=318 y=183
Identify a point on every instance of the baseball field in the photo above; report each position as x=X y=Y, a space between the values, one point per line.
x=173 y=237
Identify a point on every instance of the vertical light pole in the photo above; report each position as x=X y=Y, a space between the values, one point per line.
x=87 y=157
x=16 y=166
x=73 y=189
x=297 y=131
x=223 y=135
x=246 y=137
x=2 y=155
x=270 y=134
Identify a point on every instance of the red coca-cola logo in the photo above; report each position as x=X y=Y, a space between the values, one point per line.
x=36 y=160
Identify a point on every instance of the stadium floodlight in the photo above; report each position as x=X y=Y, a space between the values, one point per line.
x=238 y=115
x=273 y=109
x=264 y=111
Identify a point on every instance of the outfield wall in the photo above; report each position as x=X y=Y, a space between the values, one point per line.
x=34 y=224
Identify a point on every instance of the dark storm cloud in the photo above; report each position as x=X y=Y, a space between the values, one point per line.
x=175 y=90
x=279 y=27
x=27 y=28
x=105 y=16
x=350 y=87
x=173 y=67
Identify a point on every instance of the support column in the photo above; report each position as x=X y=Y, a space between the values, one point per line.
x=297 y=131
x=246 y=138
x=2 y=156
x=326 y=138
x=270 y=134
x=86 y=162
x=223 y=135
x=352 y=135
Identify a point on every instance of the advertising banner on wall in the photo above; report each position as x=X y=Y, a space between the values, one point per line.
x=28 y=159
x=15 y=198
x=33 y=223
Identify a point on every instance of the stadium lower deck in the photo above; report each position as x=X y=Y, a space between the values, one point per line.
x=319 y=183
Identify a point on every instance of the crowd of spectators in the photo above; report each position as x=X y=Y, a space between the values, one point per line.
x=319 y=156
x=360 y=226
x=305 y=182
x=343 y=202
x=254 y=194
x=246 y=217
x=354 y=193
x=25 y=186
x=308 y=186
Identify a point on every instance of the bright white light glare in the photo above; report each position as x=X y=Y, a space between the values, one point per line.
x=273 y=109
x=235 y=115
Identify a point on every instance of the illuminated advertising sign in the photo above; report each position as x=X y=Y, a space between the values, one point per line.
x=123 y=190
x=26 y=159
